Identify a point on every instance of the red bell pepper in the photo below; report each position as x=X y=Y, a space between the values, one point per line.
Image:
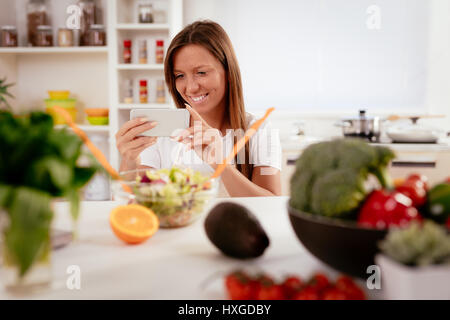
x=384 y=208
x=415 y=187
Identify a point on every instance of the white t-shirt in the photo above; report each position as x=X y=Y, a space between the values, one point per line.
x=264 y=150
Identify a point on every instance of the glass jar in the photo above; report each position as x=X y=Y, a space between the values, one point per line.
x=88 y=13
x=97 y=35
x=65 y=37
x=9 y=36
x=44 y=36
x=145 y=12
x=143 y=93
x=160 y=92
x=143 y=51
x=159 y=53
x=127 y=51
x=128 y=91
x=37 y=15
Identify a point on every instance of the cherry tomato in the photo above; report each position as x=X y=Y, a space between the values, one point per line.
x=307 y=293
x=239 y=286
x=319 y=281
x=333 y=293
x=271 y=292
x=291 y=285
x=346 y=285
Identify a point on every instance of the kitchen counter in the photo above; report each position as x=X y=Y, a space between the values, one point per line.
x=173 y=264
x=300 y=143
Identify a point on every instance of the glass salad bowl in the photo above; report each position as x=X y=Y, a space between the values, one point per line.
x=178 y=196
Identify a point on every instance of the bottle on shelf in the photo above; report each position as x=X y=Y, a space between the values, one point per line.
x=96 y=35
x=145 y=12
x=37 y=15
x=9 y=36
x=160 y=92
x=159 y=54
x=44 y=36
x=127 y=51
x=143 y=92
x=128 y=91
x=88 y=14
x=143 y=52
x=65 y=37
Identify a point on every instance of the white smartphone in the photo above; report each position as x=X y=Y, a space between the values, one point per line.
x=170 y=121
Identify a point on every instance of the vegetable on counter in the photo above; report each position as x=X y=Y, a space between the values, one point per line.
x=438 y=203
x=415 y=187
x=330 y=176
x=383 y=209
x=242 y=286
x=235 y=231
x=419 y=244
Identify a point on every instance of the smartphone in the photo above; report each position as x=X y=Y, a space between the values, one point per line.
x=170 y=121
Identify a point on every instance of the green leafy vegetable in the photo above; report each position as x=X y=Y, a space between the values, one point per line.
x=329 y=177
x=37 y=164
x=418 y=244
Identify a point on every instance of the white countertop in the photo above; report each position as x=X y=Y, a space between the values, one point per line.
x=294 y=144
x=174 y=264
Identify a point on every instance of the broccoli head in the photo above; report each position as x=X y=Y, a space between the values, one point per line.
x=329 y=176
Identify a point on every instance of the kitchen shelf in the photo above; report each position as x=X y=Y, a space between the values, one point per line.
x=86 y=128
x=143 y=26
x=33 y=50
x=140 y=67
x=144 y=106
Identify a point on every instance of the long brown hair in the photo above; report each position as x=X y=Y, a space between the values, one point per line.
x=211 y=36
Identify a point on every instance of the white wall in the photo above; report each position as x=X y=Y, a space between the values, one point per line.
x=438 y=84
x=320 y=56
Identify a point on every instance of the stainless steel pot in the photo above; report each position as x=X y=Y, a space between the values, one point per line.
x=368 y=128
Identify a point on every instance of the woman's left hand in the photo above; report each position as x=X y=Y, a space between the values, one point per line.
x=204 y=139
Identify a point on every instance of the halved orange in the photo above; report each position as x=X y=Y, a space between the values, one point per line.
x=133 y=223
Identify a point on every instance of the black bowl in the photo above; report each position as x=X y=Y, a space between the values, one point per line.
x=341 y=244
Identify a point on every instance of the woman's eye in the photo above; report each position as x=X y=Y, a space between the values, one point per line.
x=201 y=73
x=178 y=76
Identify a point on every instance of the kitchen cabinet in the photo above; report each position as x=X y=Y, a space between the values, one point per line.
x=94 y=75
x=124 y=26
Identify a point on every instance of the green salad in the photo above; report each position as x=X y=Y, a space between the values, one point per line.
x=176 y=195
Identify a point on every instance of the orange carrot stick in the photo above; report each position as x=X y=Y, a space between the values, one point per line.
x=95 y=151
x=241 y=143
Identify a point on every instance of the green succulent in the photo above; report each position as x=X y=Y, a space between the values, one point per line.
x=418 y=244
x=4 y=93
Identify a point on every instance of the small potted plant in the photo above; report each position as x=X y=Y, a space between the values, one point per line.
x=4 y=93
x=415 y=262
x=38 y=164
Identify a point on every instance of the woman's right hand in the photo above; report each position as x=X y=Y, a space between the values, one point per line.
x=130 y=145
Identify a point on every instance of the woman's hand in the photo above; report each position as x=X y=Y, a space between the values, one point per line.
x=130 y=145
x=204 y=139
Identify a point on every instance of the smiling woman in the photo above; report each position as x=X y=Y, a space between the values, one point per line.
x=203 y=76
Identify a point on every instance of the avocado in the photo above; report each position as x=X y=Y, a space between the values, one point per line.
x=235 y=231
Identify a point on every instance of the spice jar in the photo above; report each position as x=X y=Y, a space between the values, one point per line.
x=9 y=36
x=127 y=51
x=128 y=91
x=160 y=92
x=44 y=36
x=97 y=35
x=143 y=93
x=87 y=18
x=143 y=51
x=36 y=16
x=65 y=37
x=145 y=12
x=159 y=53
